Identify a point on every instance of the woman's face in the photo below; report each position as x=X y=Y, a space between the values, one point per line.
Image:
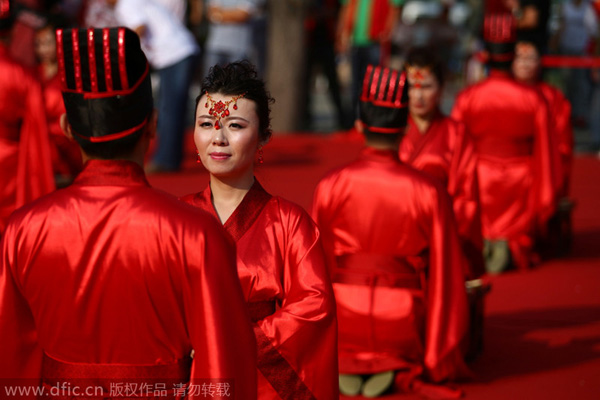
x=45 y=46
x=229 y=151
x=526 y=63
x=424 y=92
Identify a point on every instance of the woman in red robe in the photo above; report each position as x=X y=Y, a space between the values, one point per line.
x=25 y=166
x=516 y=158
x=66 y=157
x=441 y=147
x=527 y=69
x=281 y=264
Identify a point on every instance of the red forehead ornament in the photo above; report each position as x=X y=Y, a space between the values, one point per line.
x=218 y=109
x=416 y=75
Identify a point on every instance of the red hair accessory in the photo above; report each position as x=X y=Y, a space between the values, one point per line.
x=218 y=109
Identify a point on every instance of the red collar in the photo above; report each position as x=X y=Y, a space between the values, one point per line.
x=244 y=215
x=111 y=173
x=373 y=154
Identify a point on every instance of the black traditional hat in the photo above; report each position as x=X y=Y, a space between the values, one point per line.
x=500 y=36
x=6 y=15
x=105 y=82
x=383 y=105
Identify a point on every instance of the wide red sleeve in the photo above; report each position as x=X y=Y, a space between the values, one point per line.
x=320 y=216
x=34 y=168
x=463 y=186
x=564 y=134
x=460 y=107
x=217 y=316
x=546 y=165
x=20 y=351
x=304 y=328
x=447 y=311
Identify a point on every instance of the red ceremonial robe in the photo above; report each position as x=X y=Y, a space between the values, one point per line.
x=397 y=266
x=447 y=153
x=517 y=160
x=560 y=114
x=109 y=278
x=285 y=282
x=25 y=166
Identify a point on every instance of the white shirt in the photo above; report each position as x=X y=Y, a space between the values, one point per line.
x=177 y=7
x=229 y=37
x=166 y=40
x=580 y=26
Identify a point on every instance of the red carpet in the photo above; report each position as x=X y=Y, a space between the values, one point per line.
x=542 y=329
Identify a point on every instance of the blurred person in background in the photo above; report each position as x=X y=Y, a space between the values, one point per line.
x=442 y=148
x=230 y=31
x=532 y=21
x=172 y=51
x=364 y=32
x=516 y=159
x=98 y=14
x=321 y=57
x=595 y=103
x=578 y=28
x=66 y=157
x=25 y=161
x=527 y=68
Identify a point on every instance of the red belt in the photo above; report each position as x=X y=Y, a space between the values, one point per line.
x=63 y=380
x=380 y=270
x=261 y=309
x=505 y=148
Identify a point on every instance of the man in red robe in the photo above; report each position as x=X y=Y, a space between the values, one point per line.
x=25 y=162
x=108 y=287
x=394 y=255
x=509 y=122
x=526 y=68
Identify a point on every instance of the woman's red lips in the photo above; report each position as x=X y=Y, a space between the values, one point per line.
x=219 y=156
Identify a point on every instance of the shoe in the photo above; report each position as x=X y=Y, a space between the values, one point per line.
x=498 y=259
x=378 y=384
x=350 y=384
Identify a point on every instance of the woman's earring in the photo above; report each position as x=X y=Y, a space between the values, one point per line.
x=198 y=160
x=260 y=155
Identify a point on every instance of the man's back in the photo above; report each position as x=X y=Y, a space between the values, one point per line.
x=500 y=109
x=114 y=272
x=385 y=227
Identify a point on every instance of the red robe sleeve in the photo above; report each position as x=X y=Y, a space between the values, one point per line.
x=20 y=350
x=34 y=170
x=562 y=115
x=546 y=165
x=307 y=318
x=560 y=112
x=224 y=346
x=463 y=187
x=447 y=317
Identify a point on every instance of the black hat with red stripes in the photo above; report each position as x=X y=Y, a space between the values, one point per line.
x=500 y=36
x=105 y=80
x=383 y=105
